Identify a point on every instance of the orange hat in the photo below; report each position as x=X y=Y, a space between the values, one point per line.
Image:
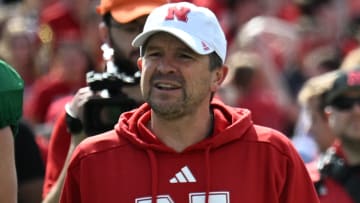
x=124 y=11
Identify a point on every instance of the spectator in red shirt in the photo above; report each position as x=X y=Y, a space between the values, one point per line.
x=122 y=21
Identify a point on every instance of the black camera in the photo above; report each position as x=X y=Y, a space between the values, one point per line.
x=101 y=114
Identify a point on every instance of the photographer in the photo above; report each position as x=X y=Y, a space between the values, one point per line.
x=122 y=21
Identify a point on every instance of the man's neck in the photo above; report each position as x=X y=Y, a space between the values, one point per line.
x=184 y=132
x=352 y=151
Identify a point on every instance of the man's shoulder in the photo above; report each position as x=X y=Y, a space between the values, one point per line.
x=330 y=191
x=268 y=136
x=100 y=143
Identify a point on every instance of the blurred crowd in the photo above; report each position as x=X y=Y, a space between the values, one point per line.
x=275 y=47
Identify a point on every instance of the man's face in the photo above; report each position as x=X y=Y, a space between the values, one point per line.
x=344 y=116
x=175 y=80
x=121 y=36
x=319 y=126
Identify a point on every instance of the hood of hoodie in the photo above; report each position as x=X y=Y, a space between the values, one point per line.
x=230 y=124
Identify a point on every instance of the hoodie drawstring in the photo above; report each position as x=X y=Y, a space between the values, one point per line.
x=207 y=173
x=154 y=175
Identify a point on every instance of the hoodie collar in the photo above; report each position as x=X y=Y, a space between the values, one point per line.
x=229 y=124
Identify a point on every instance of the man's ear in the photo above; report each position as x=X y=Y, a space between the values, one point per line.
x=219 y=77
x=104 y=33
x=327 y=112
x=139 y=63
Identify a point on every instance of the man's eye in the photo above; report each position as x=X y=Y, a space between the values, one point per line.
x=131 y=29
x=153 y=54
x=185 y=56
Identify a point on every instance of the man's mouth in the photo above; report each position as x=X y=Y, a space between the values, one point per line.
x=166 y=86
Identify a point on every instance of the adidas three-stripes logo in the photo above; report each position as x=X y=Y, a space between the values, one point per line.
x=183 y=176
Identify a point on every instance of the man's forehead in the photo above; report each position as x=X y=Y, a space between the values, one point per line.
x=138 y=21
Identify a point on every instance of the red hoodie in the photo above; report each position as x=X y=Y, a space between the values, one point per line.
x=239 y=162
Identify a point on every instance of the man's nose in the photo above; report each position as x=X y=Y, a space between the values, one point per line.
x=166 y=65
x=356 y=107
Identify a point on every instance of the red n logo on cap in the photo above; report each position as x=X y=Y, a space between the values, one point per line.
x=181 y=14
x=354 y=78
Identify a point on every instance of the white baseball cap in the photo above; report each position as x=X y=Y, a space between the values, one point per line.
x=196 y=26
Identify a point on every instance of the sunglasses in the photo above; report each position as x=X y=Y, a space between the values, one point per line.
x=345 y=103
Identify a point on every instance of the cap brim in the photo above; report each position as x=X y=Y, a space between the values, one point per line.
x=125 y=14
x=336 y=93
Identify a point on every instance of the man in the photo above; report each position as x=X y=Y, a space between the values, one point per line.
x=340 y=166
x=314 y=135
x=122 y=21
x=180 y=146
x=11 y=101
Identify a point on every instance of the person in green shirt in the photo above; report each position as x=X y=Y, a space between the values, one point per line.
x=11 y=101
